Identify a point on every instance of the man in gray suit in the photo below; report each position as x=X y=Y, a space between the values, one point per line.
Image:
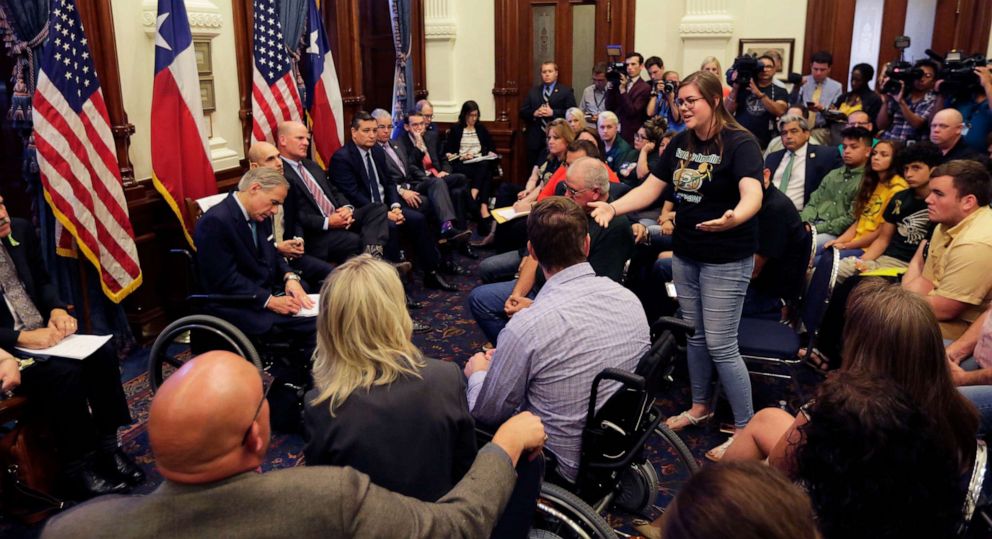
x=212 y=488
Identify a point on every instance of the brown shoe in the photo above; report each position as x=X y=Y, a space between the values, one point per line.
x=402 y=268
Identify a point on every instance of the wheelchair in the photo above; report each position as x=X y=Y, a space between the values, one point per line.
x=615 y=473
x=196 y=333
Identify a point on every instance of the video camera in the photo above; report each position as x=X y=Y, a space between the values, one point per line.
x=901 y=70
x=747 y=68
x=958 y=73
x=615 y=67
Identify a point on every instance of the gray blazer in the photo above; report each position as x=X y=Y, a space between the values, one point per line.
x=297 y=502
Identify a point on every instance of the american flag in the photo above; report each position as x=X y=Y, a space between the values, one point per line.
x=79 y=169
x=274 y=96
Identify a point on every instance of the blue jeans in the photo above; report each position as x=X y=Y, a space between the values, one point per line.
x=711 y=297
x=486 y=303
x=501 y=267
x=981 y=397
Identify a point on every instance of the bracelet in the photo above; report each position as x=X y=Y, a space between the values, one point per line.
x=614 y=208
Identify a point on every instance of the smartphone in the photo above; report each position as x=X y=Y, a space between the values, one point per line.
x=670 y=289
x=810 y=104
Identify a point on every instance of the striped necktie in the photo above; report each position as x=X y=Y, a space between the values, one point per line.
x=323 y=203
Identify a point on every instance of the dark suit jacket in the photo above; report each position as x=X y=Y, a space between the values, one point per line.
x=819 y=161
x=631 y=107
x=229 y=263
x=409 y=172
x=415 y=157
x=347 y=172
x=31 y=271
x=297 y=502
x=302 y=216
x=383 y=431
x=562 y=98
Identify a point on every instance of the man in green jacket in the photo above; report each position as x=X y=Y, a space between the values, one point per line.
x=831 y=206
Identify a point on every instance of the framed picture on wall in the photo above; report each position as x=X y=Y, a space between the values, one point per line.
x=204 y=64
x=785 y=47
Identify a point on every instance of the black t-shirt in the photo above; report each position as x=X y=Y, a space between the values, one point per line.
x=706 y=180
x=909 y=214
x=782 y=240
x=754 y=116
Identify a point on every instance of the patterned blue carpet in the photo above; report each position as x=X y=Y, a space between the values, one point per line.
x=456 y=337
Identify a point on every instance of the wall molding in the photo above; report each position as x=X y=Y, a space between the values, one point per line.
x=205 y=19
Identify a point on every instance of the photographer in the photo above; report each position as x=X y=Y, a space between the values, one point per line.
x=665 y=86
x=629 y=97
x=972 y=97
x=763 y=102
x=906 y=117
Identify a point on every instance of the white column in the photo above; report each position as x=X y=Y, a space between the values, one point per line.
x=706 y=30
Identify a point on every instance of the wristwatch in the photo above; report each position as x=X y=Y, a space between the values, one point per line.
x=290 y=277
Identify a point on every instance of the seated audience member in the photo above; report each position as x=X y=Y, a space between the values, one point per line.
x=743 y=500
x=447 y=193
x=629 y=99
x=757 y=106
x=905 y=223
x=591 y=134
x=209 y=432
x=610 y=247
x=576 y=150
x=970 y=360
x=234 y=257
x=512 y=235
x=576 y=119
x=539 y=365
x=859 y=118
x=907 y=113
x=467 y=140
x=860 y=98
x=975 y=106
x=618 y=152
x=818 y=90
x=829 y=208
x=952 y=271
x=82 y=401
x=783 y=246
x=946 y=131
x=662 y=103
x=594 y=96
x=544 y=103
x=649 y=143
x=775 y=144
x=799 y=168
x=332 y=229
x=880 y=182
x=432 y=138
x=712 y=65
x=377 y=403
x=359 y=170
x=313 y=270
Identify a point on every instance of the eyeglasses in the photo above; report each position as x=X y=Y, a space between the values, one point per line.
x=428 y=116
x=266 y=386
x=575 y=192
x=858 y=124
x=688 y=103
x=390 y=126
x=638 y=136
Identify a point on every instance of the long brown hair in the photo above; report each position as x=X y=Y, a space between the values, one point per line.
x=893 y=332
x=871 y=179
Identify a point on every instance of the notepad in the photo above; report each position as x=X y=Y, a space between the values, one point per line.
x=502 y=215
x=312 y=311
x=72 y=347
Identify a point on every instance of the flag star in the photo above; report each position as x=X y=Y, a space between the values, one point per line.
x=68 y=75
x=58 y=56
x=66 y=61
x=82 y=42
x=313 y=48
x=159 y=38
x=86 y=82
x=86 y=55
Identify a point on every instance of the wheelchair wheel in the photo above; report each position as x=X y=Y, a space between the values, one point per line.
x=192 y=335
x=563 y=515
x=678 y=447
x=638 y=489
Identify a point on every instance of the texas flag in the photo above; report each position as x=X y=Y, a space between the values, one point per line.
x=180 y=158
x=323 y=95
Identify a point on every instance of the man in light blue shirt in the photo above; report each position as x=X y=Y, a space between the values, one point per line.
x=819 y=91
x=549 y=353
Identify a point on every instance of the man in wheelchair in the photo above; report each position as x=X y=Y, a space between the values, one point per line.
x=549 y=353
x=235 y=258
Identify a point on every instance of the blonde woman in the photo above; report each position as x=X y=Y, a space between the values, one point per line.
x=712 y=65
x=378 y=405
x=576 y=119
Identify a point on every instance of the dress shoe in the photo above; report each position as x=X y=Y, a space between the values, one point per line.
x=448 y=267
x=468 y=252
x=454 y=236
x=421 y=327
x=403 y=267
x=484 y=242
x=87 y=482
x=433 y=280
x=118 y=464
x=411 y=304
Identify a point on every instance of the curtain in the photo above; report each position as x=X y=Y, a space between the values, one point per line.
x=403 y=99
x=293 y=19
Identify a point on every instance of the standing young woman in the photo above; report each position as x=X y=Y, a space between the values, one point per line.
x=714 y=167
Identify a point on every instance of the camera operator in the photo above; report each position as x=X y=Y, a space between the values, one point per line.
x=905 y=117
x=594 y=96
x=665 y=84
x=763 y=102
x=973 y=101
x=629 y=97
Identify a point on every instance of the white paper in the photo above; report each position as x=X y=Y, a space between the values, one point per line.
x=312 y=311
x=488 y=157
x=72 y=347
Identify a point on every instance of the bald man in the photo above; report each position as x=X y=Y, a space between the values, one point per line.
x=946 y=131
x=209 y=431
